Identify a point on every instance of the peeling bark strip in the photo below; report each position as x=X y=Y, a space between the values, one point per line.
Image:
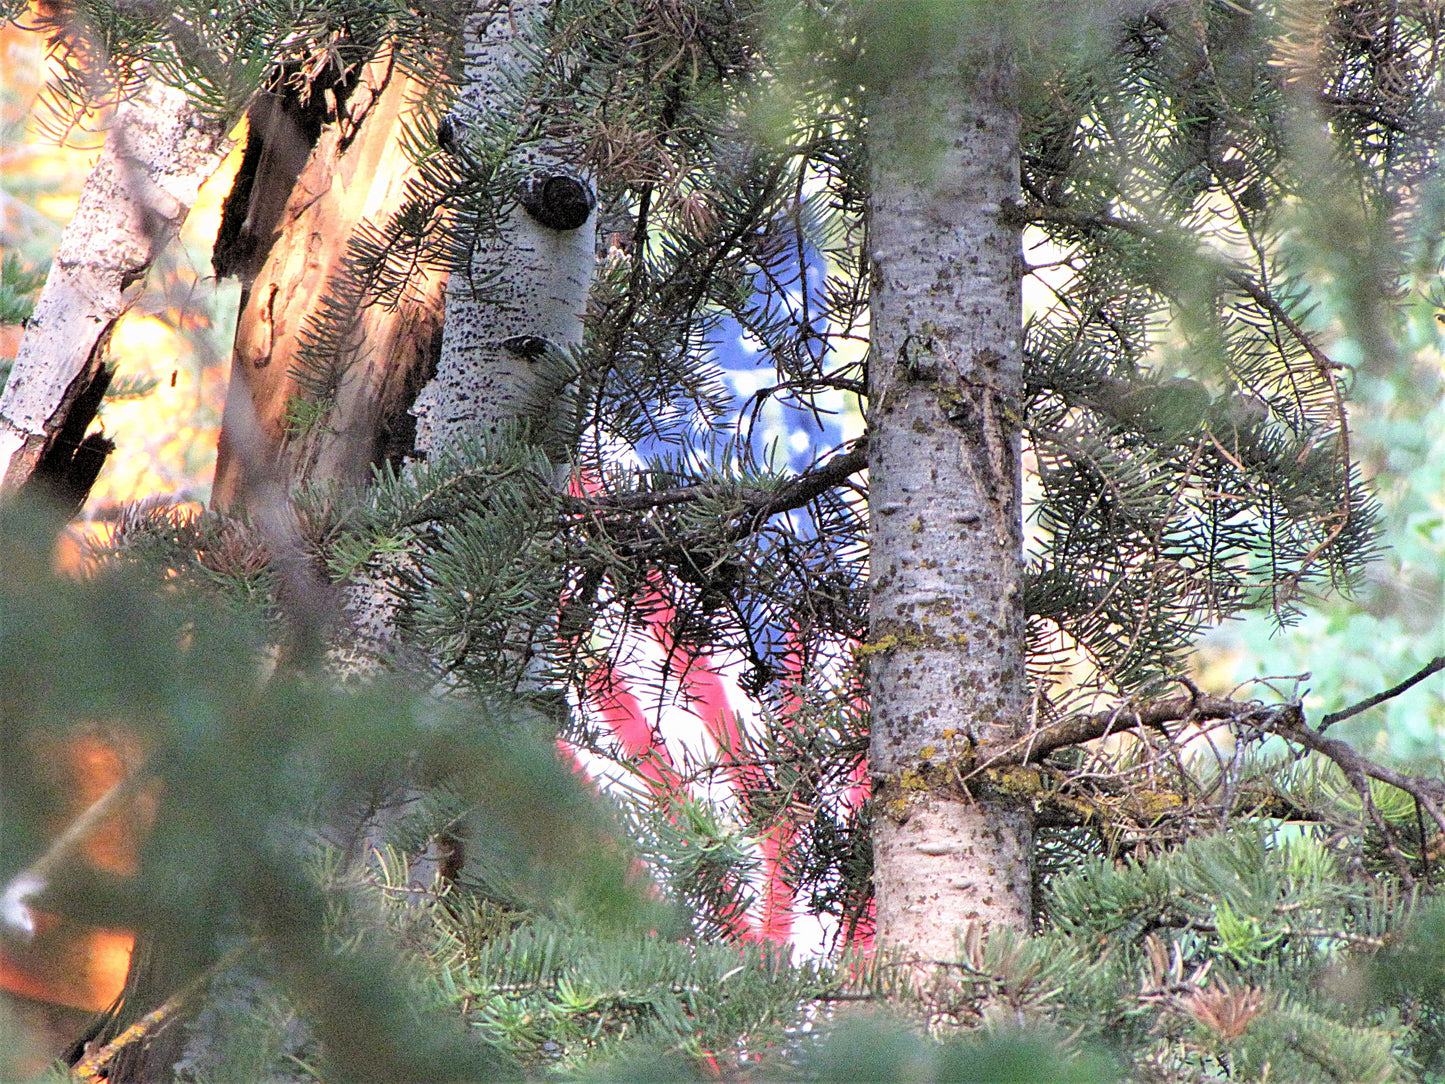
x=946 y=653
x=159 y=151
x=511 y=321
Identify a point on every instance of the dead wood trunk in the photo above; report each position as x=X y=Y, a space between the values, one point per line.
x=303 y=308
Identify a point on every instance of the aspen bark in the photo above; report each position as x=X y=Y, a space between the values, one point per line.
x=946 y=653
x=307 y=202
x=158 y=152
x=513 y=316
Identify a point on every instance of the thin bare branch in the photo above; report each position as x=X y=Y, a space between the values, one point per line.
x=1285 y=720
x=1434 y=665
x=1077 y=729
x=1430 y=793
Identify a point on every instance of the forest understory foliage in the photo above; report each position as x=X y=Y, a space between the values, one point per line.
x=474 y=855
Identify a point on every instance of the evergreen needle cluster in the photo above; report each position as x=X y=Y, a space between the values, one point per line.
x=1215 y=196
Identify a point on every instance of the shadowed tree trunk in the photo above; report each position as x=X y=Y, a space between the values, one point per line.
x=946 y=655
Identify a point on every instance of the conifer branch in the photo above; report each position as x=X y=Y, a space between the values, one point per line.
x=1285 y=720
x=813 y=483
x=1430 y=793
x=91 y=1068
x=1077 y=729
x=759 y=505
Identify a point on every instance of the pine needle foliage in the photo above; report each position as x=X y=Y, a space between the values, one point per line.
x=560 y=996
x=1197 y=175
x=18 y=287
x=1188 y=426
x=1178 y=395
x=1167 y=445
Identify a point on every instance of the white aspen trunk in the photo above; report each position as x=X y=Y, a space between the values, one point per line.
x=946 y=653
x=513 y=318
x=159 y=151
x=511 y=321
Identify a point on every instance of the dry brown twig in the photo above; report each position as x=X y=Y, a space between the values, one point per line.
x=1246 y=719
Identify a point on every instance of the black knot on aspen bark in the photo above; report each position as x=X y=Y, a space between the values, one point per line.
x=531 y=347
x=556 y=200
x=451 y=130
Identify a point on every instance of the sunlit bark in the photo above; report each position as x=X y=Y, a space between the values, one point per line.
x=354 y=178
